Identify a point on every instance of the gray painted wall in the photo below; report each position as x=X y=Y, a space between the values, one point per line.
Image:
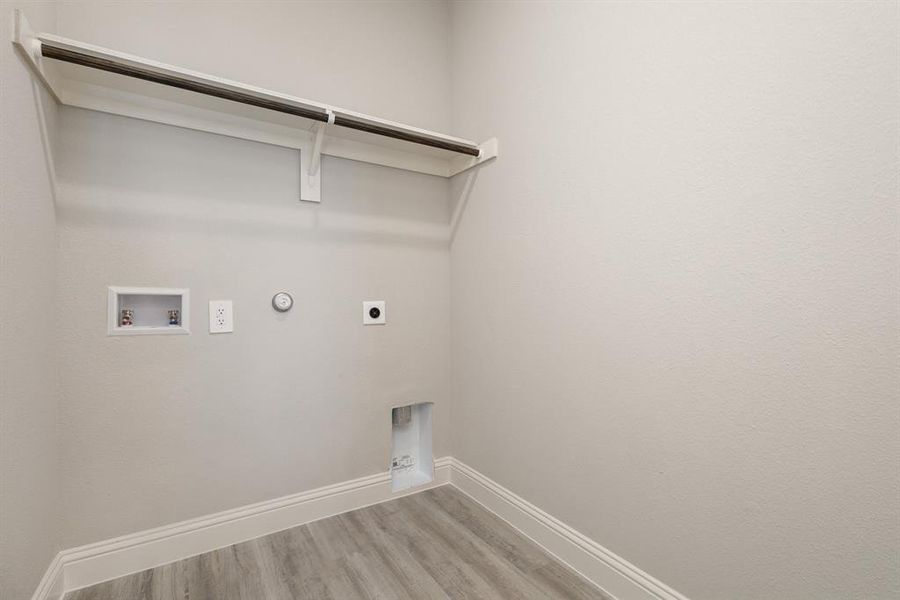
x=675 y=296
x=29 y=473
x=160 y=429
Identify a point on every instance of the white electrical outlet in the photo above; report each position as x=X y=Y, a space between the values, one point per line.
x=374 y=313
x=221 y=316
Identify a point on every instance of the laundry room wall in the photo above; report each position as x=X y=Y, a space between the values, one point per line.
x=30 y=518
x=676 y=294
x=165 y=428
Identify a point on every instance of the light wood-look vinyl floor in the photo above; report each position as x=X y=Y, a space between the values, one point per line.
x=437 y=544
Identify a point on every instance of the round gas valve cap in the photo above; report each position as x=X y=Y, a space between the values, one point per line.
x=282 y=302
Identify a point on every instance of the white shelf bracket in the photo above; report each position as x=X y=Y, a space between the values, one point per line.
x=310 y=168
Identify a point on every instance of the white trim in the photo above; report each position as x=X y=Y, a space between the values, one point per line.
x=109 y=559
x=94 y=563
x=611 y=573
x=51 y=584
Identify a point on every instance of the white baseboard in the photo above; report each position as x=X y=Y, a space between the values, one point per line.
x=51 y=584
x=94 y=563
x=612 y=574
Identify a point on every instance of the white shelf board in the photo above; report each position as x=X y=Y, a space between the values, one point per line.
x=94 y=89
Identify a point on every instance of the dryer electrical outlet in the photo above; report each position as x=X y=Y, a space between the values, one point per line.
x=374 y=312
x=221 y=316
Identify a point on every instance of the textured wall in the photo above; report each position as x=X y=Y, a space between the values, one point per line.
x=385 y=58
x=675 y=296
x=29 y=474
x=164 y=428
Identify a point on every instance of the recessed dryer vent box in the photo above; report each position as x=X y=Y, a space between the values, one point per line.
x=412 y=461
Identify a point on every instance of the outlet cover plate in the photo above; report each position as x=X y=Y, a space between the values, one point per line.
x=221 y=316
x=374 y=312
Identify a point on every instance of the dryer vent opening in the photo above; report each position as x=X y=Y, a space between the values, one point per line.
x=412 y=462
